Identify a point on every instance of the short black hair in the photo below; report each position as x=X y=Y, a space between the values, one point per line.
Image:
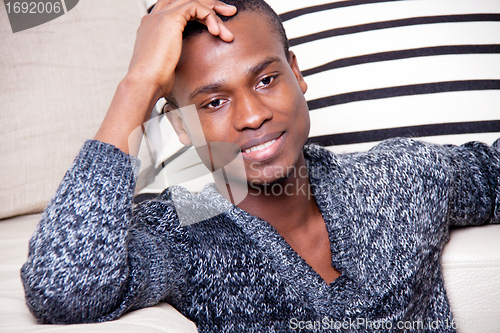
x=260 y=6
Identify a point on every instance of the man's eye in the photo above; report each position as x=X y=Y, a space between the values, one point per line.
x=266 y=81
x=215 y=103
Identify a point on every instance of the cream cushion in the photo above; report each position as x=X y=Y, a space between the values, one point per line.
x=471 y=272
x=57 y=81
x=15 y=316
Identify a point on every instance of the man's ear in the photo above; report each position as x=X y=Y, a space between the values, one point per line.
x=296 y=71
x=175 y=118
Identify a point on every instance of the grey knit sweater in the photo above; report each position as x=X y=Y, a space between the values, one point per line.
x=387 y=212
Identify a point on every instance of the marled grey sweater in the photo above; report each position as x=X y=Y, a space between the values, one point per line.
x=387 y=212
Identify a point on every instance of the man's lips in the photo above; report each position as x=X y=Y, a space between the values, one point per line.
x=260 y=147
x=253 y=142
x=263 y=147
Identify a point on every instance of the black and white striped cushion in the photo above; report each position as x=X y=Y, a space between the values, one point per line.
x=378 y=69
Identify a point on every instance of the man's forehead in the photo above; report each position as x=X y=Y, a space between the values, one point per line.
x=251 y=29
x=205 y=58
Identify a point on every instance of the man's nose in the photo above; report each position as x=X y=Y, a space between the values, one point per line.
x=251 y=111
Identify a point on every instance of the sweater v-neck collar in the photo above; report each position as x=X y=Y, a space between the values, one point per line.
x=294 y=270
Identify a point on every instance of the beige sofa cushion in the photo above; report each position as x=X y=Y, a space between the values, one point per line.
x=57 y=81
x=16 y=318
x=471 y=272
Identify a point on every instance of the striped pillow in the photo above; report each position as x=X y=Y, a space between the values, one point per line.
x=378 y=69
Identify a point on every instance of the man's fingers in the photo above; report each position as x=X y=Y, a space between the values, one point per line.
x=217 y=28
x=208 y=17
x=224 y=33
x=204 y=11
x=210 y=20
x=224 y=9
x=159 y=5
x=218 y=6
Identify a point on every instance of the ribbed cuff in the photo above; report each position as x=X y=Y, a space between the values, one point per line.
x=102 y=165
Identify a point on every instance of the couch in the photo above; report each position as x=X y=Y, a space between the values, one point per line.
x=375 y=69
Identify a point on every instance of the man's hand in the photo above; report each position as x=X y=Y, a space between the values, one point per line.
x=159 y=38
x=151 y=74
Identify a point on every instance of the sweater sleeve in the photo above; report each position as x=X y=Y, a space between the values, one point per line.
x=79 y=267
x=468 y=176
x=475 y=191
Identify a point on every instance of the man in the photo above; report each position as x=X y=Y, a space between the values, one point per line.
x=357 y=250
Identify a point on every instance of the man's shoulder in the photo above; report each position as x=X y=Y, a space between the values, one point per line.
x=387 y=149
x=395 y=157
x=156 y=213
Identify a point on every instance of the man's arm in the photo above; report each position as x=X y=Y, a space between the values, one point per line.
x=151 y=74
x=468 y=177
x=475 y=196
x=77 y=265
x=86 y=262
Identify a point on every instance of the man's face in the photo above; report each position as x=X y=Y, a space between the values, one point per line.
x=247 y=93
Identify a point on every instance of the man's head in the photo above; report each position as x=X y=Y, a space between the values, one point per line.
x=248 y=93
x=195 y=28
x=258 y=6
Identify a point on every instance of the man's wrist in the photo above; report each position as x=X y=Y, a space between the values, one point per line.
x=134 y=84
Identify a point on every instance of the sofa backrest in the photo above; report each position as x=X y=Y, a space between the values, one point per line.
x=56 y=83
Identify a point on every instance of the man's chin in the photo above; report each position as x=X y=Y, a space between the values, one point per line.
x=269 y=181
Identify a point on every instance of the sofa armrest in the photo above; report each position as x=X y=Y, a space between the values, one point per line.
x=471 y=271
